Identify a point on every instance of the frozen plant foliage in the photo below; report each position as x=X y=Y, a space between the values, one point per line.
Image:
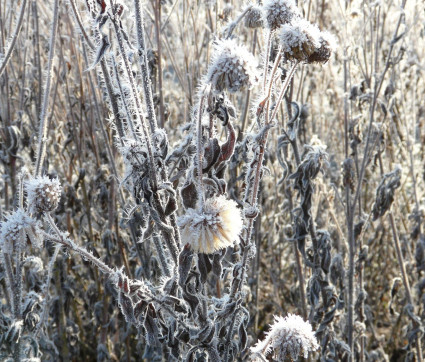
x=215 y=227
x=232 y=67
x=279 y=12
x=14 y=230
x=288 y=337
x=43 y=194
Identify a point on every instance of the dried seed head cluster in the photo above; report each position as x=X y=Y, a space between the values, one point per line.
x=215 y=227
x=288 y=337
x=302 y=41
x=254 y=17
x=43 y=194
x=279 y=12
x=16 y=228
x=232 y=67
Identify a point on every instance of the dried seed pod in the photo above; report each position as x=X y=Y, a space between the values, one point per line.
x=299 y=39
x=288 y=337
x=279 y=12
x=43 y=194
x=304 y=42
x=254 y=17
x=15 y=229
x=385 y=193
x=349 y=173
x=232 y=67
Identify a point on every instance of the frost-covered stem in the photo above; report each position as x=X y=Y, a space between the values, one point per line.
x=112 y=99
x=199 y=153
x=80 y=23
x=161 y=255
x=266 y=57
x=404 y=276
x=9 y=277
x=136 y=100
x=15 y=35
x=157 y=9
x=257 y=178
x=270 y=84
x=60 y=239
x=41 y=149
x=46 y=289
x=17 y=291
x=235 y=22
x=124 y=102
x=283 y=90
x=146 y=80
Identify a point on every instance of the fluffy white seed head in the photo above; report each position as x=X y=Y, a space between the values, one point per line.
x=279 y=12
x=214 y=227
x=288 y=337
x=15 y=229
x=232 y=67
x=43 y=194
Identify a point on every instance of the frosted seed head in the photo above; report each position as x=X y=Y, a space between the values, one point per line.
x=299 y=40
x=15 y=229
x=232 y=67
x=279 y=12
x=214 y=227
x=43 y=194
x=254 y=17
x=288 y=337
x=327 y=46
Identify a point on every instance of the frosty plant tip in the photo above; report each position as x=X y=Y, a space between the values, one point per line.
x=216 y=226
x=288 y=337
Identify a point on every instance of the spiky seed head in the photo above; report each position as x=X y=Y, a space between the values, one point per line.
x=254 y=17
x=299 y=40
x=279 y=12
x=15 y=229
x=43 y=194
x=216 y=226
x=232 y=67
x=288 y=337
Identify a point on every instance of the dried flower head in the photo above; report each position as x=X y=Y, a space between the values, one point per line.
x=232 y=67
x=279 y=12
x=215 y=227
x=254 y=17
x=385 y=193
x=299 y=40
x=43 y=194
x=15 y=229
x=327 y=46
x=288 y=336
